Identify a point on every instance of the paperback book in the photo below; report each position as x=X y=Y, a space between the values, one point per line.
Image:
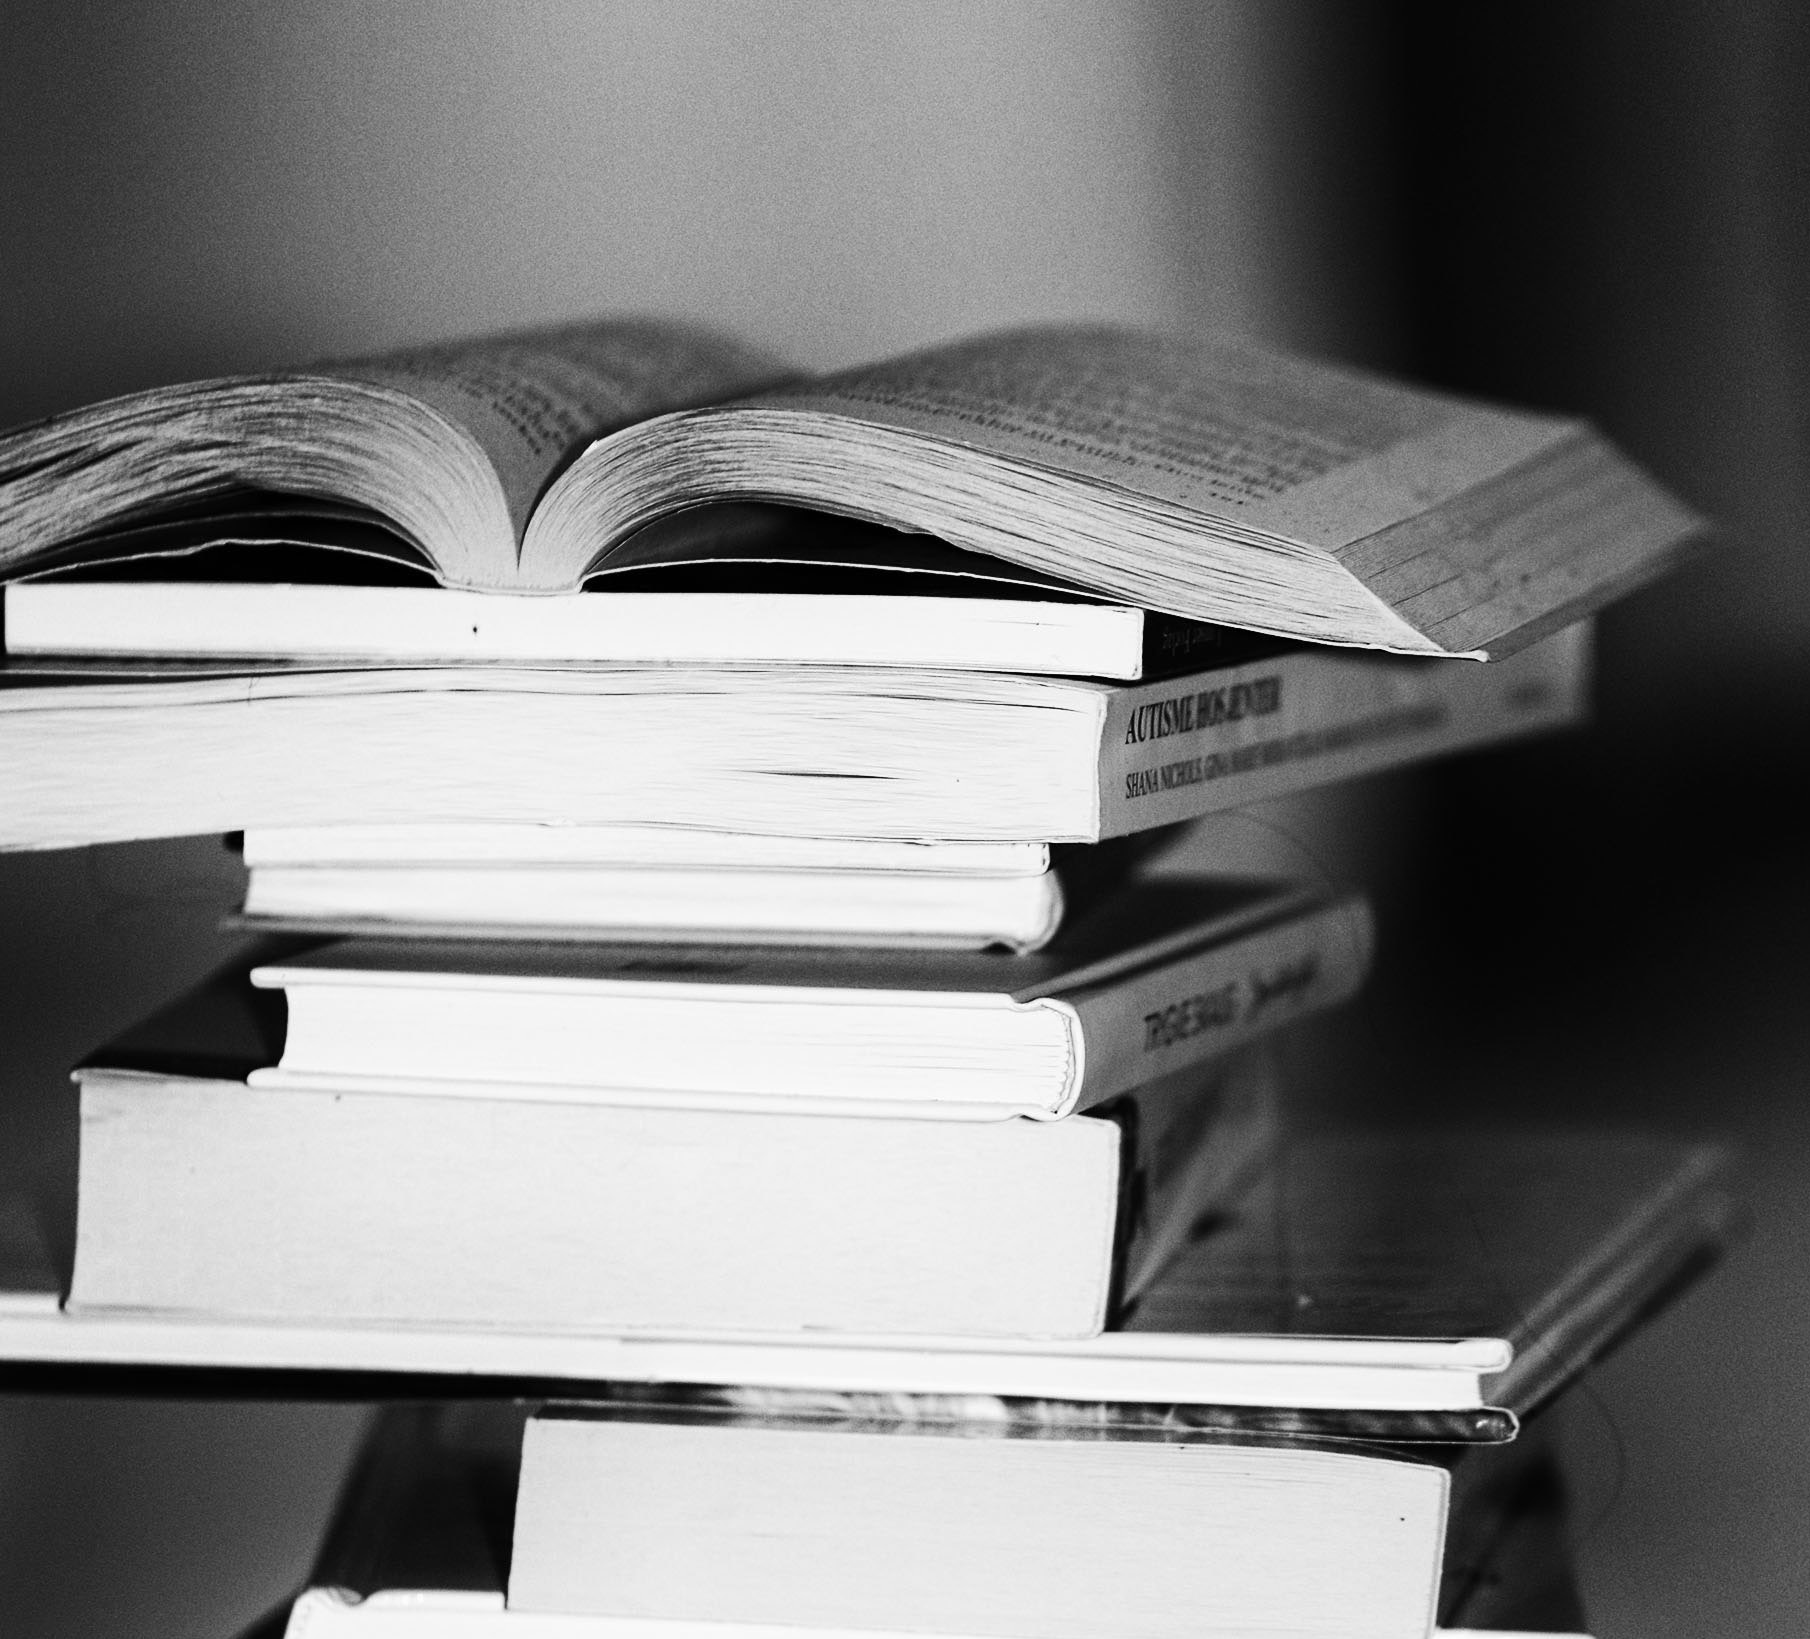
x=698 y=887
x=98 y=751
x=1210 y=479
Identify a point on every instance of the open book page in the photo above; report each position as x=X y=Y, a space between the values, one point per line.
x=1248 y=487
x=1277 y=445
x=534 y=398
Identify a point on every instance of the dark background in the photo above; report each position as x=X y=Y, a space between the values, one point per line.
x=1597 y=208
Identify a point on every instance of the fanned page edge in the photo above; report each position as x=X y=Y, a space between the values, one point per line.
x=1090 y=534
x=1439 y=526
x=517 y=406
x=181 y=429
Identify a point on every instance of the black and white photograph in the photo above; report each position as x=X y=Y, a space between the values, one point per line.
x=904 y=819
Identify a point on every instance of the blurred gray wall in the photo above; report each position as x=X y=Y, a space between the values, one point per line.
x=217 y=186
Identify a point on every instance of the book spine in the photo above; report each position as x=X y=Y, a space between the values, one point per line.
x=1266 y=727
x=1189 y=1143
x=1185 y=1012
x=1173 y=646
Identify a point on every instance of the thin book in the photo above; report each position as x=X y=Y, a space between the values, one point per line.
x=602 y=882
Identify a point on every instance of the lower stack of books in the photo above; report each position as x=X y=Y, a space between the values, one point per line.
x=1385 y=1499
x=822 y=1285
x=690 y=1138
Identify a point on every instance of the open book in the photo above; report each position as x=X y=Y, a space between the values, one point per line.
x=1210 y=480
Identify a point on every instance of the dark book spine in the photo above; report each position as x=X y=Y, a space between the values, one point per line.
x=1262 y=728
x=1174 y=646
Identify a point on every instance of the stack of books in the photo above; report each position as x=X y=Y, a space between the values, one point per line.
x=732 y=1009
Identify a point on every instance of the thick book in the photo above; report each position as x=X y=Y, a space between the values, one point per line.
x=419 y=1547
x=1166 y=973
x=1391 y=1287
x=1210 y=479
x=960 y=1527
x=592 y=883
x=200 y=1195
x=100 y=752
x=885 y=1520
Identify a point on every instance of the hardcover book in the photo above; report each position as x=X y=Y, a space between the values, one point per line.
x=1166 y=973
x=1390 y=1287
x=201 y=1196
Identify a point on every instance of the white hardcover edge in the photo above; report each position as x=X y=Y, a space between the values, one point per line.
x=1117 y=1367
x=274 y=1078
x=426 y=1613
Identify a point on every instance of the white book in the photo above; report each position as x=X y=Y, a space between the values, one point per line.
x=1164 y=974
x=956 y=1528
x=217 y=1199
x=903 y=910
x=1022 y=633
x=203 y=1196
x=422 y=1613
x=97 y=751
x=650 y=847
x=635 y=882
x=420 y=1531
x=1407 y=1321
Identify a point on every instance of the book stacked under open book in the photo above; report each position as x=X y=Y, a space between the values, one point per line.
x=732 y=1007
